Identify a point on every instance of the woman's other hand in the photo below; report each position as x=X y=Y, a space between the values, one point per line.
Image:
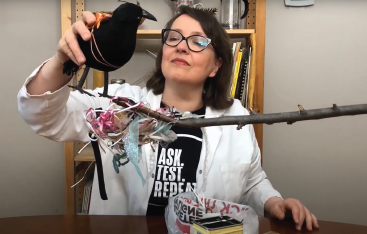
x=279 y=208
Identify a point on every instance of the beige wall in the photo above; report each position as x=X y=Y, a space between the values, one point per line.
x=315 y=57
x=31 y=168
x=328 y=64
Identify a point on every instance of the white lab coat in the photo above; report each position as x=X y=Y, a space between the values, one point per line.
x=234 y=171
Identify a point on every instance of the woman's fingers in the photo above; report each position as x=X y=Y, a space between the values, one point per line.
x=294 y=208
x=302 y=214
x=79 y=28
x=73 y=50
x=69 y=45
x=89 y=18
x=315 y=223
x=298 y=212
x=64 y=50
x=308 y=219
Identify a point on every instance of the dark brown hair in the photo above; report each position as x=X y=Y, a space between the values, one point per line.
x=216 y=88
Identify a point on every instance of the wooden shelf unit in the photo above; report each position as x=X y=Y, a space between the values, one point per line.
x=86 y=155
x=75 y=164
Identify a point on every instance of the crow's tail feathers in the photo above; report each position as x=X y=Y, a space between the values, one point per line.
x=70 y=68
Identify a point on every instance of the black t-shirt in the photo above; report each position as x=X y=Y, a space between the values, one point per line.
x=176 y=167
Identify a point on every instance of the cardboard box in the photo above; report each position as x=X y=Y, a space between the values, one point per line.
x=218 y=224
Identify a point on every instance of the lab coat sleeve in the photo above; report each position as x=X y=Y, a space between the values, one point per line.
x=58 y=115
x=259 y=189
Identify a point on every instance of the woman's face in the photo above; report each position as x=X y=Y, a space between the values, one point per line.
x=180 y=64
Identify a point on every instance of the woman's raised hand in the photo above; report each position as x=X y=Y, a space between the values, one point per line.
x=68 y=47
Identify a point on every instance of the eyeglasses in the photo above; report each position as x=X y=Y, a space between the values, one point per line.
x=195 y=43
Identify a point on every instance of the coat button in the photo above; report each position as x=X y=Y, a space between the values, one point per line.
x=152 y=175
x=201 y=171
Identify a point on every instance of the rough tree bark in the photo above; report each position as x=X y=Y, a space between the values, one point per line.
x=254 y=118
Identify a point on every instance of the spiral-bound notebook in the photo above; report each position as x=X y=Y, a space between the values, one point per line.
x=240 y=72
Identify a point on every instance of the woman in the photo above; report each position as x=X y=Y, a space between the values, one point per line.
x=192 y=74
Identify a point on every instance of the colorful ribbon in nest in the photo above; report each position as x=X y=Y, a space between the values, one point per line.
x=131 y=146
x=101 y=123
x=126 y=130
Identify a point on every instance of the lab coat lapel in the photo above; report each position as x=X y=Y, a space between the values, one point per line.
x=154 y=102
x=213 y=135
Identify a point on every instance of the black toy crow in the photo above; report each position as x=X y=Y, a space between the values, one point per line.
x=112 y=43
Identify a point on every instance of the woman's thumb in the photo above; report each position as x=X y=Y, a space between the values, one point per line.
x=278 y=213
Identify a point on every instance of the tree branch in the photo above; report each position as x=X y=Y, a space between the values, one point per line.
x=240 y=121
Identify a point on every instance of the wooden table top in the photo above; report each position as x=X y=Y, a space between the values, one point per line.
x=84 y=224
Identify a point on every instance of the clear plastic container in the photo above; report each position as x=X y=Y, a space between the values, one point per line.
x=230 y=13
